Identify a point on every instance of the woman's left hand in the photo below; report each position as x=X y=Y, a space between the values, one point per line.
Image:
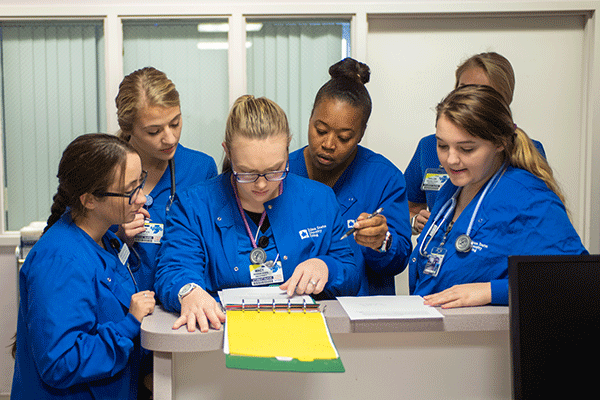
x=465 y=295
x=309 y=277
x=370 y=232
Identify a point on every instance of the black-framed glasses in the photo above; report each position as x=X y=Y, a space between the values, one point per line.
x=131 y=195
x=273 y=176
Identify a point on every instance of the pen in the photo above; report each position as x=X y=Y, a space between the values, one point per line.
x=351 y=231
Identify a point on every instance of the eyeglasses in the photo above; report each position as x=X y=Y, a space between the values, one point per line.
x=273 y=176
x=131 y=195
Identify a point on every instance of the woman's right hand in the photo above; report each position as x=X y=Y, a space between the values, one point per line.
x=420 y=220
x=142 y=304
x=128 y=230
x=199 y=307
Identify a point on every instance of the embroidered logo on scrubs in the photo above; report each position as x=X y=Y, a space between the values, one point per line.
x=350 y=223
x=312 y=232
x=478 y=246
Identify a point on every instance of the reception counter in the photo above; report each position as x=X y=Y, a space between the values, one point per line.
x=463 y=355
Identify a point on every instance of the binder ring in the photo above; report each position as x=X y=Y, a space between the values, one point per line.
x=289 y=305
x=243 y=306
x=273 y=305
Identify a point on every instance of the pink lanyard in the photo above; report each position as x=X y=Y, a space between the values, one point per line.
x=262 y=217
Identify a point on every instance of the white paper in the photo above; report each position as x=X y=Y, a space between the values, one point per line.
x=387 y=307
x=264 y=294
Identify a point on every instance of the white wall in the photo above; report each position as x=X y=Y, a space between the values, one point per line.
x=413 y=53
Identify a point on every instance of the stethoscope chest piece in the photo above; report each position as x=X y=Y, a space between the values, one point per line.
x=463 y=243
x=258 y=255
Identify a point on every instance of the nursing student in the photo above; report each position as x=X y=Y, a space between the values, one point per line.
x=503 y=201
x=80 y=310
x=362 y=180
x=424 y=175
x=150 y=119
x=253 y=225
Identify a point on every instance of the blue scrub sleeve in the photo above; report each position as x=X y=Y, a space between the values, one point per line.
x=414 y=177
x=395 y=210
x=68 y=344
x=345 y=276
x=499 y=292
x=182 y=256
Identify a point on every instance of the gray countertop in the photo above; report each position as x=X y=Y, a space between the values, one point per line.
x=158 y=335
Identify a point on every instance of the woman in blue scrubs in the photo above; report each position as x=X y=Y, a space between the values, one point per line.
x=253 y=225
x=362 y=180
x=149 y=115
x=424 y=175
x=503 y=201
x=80 y=311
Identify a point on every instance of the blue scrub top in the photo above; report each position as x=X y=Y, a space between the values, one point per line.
x=206 y=240
x=426 y=157
x=369 y=182
x=191 y=167
x=518 y=216
x=75 y=337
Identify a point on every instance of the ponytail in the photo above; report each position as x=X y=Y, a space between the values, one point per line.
x=59 y=206
x=526 y=156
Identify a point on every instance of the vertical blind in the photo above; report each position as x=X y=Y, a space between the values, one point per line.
x=288 y=61
x=196 y=61
x=52 y=91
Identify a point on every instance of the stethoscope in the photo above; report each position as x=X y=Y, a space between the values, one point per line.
x=463 y=243
x=150 y=200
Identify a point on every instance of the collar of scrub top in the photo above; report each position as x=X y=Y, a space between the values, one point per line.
x=448 y=208
x=150 y=199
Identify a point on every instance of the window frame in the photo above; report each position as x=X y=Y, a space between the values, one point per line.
x=359 y=12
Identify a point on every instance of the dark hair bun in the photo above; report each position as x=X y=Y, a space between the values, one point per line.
x=349 y=68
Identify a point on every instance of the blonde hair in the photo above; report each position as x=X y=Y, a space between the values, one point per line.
x=498 y=70
x=144 y=87
x=254 y=118
x=483 y=112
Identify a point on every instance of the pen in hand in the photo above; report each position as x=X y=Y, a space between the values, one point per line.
x=351 y=231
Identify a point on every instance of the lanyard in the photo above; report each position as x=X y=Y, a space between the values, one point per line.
x=449 y=207
x=262 y=217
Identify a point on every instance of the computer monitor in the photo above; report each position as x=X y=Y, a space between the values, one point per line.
x=554 y=308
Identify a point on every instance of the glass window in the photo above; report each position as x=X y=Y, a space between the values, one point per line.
x=193 y=54
x=288 y=61
x=52 y=91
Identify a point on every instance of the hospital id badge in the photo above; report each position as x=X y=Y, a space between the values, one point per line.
x=266 y=273
x=434 y=179
x=434 y=261
x=153 y=233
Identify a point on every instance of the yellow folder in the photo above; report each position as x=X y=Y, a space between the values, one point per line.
x=280 y=334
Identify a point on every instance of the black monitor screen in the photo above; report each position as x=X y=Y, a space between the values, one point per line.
x=555 y=325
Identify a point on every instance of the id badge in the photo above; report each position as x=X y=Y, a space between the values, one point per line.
x=153 y=233
x=266 y=273
x=434 y=179
x=124 y=254
x=434 y=261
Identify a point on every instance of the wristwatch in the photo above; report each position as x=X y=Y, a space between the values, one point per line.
x=185 y=290
x=387 y=242
x=413 y=221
